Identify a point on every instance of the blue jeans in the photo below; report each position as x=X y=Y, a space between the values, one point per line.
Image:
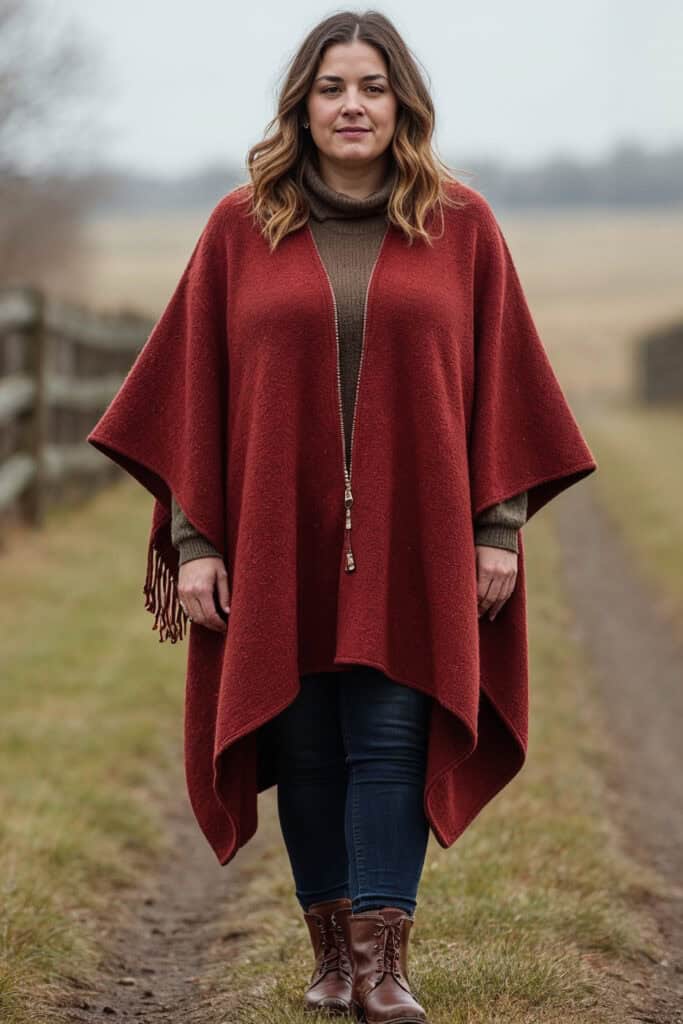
x=351 y=757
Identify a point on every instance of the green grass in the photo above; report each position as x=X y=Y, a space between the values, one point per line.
x=640 y=486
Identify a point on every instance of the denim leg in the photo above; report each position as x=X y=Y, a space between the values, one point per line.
x=311 y=791
x=385 y=727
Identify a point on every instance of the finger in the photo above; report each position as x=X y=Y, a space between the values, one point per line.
x=484 y=582
x=191 y=601
x=210 y=617
x=215 y=615
x=485 y=603
x=192 y=607
x=509 y=587
x=491 y=595
x=223 y=591
x=505 y=591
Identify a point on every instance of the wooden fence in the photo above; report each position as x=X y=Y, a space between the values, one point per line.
x=60 y=366
x=660 y=364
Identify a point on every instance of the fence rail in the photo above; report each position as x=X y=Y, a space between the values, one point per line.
x=60 y=366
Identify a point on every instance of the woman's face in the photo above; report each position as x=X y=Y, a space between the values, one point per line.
x=351 y=90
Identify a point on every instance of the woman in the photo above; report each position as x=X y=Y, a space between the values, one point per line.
x=345 y=415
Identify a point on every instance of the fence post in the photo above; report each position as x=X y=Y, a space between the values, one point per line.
x=32 y=501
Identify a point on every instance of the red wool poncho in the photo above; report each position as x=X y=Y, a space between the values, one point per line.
x=232 y=405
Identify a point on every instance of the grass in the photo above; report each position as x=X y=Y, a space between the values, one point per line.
x=527 y=917
x=91 y=726
x=640 y=486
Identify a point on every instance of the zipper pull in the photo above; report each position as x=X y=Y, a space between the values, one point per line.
x=348 y=502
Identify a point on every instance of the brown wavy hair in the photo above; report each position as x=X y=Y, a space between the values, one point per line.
x=277 y=198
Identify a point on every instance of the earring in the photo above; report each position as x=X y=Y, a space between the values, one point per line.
x=305 y=124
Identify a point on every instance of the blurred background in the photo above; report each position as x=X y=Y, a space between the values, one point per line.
x=121 y=126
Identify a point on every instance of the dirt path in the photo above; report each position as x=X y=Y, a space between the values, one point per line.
x=639 y=668
x=154 y=962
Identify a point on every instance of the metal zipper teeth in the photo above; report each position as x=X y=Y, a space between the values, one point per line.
x=347 y=475
x=362 y=351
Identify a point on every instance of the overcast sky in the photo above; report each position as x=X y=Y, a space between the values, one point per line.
x=186 y=83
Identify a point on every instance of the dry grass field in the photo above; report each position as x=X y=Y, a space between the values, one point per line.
x=594 y=279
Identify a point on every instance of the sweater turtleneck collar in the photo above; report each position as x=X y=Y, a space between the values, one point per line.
x=328 y=204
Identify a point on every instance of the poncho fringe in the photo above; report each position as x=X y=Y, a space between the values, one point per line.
x=161 y=597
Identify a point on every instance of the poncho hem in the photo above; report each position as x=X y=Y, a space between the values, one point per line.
x=226 y=852
x=568 y=477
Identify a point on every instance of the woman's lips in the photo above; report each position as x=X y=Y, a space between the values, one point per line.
x=352 y=131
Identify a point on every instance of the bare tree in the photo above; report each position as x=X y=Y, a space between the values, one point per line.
x=50 y=80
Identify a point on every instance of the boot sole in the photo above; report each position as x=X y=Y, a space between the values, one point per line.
x=332 y=1011
x=359 y=1015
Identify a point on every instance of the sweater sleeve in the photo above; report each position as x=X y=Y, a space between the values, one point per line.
x=498 y=525
x=189 y=542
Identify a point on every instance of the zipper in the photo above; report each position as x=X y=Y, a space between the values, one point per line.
x=349 y=560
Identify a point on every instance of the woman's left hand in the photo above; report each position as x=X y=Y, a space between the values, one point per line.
x=496 y=578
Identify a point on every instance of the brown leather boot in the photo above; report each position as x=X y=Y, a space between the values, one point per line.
x=379 y=951
x=330 y=985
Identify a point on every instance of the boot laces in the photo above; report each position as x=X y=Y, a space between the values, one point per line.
x=344 y=959
x=389 y=947
x=333 y=954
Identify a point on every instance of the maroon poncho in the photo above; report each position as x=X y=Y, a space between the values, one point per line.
x=232 y=405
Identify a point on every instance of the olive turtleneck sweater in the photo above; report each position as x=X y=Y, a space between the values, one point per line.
x=348 y=233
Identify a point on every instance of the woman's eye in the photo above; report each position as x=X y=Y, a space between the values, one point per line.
x=373 y=88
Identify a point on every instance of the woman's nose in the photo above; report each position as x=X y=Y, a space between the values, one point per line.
x=352 y=104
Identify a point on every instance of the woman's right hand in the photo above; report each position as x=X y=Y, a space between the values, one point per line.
x=197 y=581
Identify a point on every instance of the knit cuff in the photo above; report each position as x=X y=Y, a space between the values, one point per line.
x=196 y=547
x=496 y=536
